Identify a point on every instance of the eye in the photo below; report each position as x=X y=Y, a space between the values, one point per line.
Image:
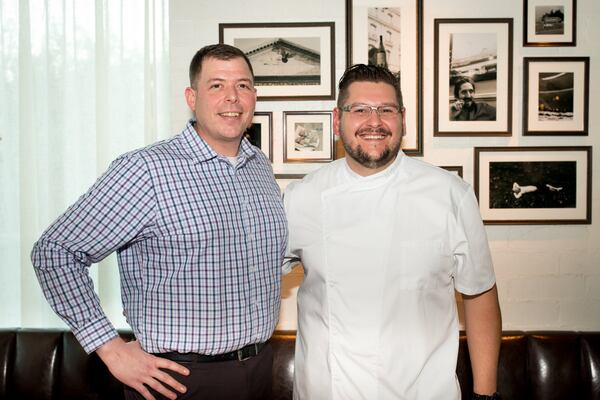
x=244 y=86
x=216 y=86
x=388 y=110
x=360 y=109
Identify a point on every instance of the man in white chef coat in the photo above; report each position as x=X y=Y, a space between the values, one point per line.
x=385 y=240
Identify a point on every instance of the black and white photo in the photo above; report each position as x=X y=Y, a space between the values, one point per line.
x=549 y=20
x=308 y=136
x=555 y=94
x=280 y=61
x=473 y=63
x=533 y=184
x=385 y=30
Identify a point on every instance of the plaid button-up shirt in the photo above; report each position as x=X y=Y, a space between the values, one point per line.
x=199 y=241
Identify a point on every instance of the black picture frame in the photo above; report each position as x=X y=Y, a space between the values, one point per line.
x=480 y=49
x=549 y=25
x=556 y=96
x=457 y=169
x=308 y=137
x=410 y=52
x=260 y=132
x=285 y=47
x=542 y=185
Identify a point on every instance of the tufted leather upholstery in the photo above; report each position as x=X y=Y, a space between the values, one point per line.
x=50 y=364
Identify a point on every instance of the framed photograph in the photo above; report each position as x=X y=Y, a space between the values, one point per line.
x=260 y=133
x=291 y=61
x=473 y=77
x=307 y=136
x=549 y=22
x=534 y=185
x=556 y=91
x=390 y=33
x=456 y=169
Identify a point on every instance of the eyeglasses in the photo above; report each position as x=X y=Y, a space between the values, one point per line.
x=365 y=110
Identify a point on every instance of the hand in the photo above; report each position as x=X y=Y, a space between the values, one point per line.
x=455 y=108
x=131 y=365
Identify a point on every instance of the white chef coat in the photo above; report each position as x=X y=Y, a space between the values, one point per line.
x=382 y=256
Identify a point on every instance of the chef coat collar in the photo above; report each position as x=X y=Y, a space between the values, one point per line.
x=381 y=175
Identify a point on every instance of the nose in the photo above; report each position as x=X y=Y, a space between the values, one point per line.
x=374 y=118
x=231 y=94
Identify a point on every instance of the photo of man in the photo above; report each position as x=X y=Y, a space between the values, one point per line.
x=473 y=66
x=466 y=108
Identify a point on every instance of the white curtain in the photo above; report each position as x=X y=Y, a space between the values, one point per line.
x=81 y=82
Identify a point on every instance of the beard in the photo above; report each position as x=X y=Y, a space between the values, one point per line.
x=468 y=103
x=367 y=160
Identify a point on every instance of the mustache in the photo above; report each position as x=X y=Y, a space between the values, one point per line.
x=374 y=130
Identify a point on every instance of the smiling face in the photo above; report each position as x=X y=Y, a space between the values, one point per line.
x=371 y=143
x=465 y=93
x=223 y=99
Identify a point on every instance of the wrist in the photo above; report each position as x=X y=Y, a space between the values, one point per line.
x=110 y=349
x=495 y=396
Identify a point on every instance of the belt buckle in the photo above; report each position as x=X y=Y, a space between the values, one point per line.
x=240 y=352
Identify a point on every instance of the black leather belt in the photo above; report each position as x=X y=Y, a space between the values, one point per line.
x=240 y=355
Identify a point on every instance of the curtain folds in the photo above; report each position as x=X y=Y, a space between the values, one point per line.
x=81 y=81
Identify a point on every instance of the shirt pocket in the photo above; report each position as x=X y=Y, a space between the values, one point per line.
x=419 y=264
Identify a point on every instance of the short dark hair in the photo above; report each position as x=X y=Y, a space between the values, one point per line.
x=461 y=80
x=220 y=52
x=367 y=73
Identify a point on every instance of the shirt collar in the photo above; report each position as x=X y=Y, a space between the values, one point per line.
x=200 y=151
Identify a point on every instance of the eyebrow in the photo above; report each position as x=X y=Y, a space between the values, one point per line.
x=223 y=80
x=358 y=103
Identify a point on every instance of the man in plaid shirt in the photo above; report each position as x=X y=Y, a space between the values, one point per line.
x=200 y=233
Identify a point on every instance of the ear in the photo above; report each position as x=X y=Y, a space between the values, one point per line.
x=337 y=117
x=190 y=98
